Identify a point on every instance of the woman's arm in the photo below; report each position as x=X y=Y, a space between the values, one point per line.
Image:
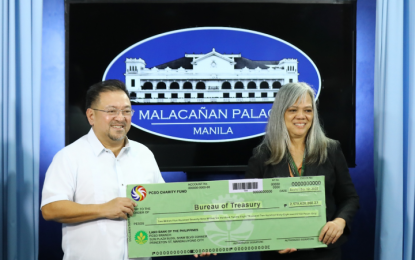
x=345 y=195
x=256 y=166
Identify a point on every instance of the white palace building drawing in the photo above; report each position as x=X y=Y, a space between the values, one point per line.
x=207 y=78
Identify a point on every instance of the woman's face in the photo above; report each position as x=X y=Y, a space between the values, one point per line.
x=299 y=117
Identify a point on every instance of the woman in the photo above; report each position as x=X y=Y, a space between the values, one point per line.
x=295 y=145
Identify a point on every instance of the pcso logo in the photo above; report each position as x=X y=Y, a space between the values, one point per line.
x=138 y=193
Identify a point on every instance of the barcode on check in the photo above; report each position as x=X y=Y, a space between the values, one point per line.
x=245 y=186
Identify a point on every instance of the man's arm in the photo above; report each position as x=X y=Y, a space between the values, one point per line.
x=65 y=211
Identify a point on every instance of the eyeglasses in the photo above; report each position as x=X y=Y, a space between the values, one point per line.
x=115 y=112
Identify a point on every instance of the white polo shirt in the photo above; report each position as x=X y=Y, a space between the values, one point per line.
x=86 y=172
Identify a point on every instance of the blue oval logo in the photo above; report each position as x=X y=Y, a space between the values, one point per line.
x=209 y=84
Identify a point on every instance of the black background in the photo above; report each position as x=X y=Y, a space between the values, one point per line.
x=98 y=32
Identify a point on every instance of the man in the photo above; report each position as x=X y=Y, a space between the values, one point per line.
x=85 y=186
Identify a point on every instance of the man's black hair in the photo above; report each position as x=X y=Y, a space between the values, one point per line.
x=92 y=95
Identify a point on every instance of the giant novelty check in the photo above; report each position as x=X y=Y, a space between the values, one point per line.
x=226 y=216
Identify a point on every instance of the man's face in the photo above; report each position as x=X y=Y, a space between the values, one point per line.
x=110 y=129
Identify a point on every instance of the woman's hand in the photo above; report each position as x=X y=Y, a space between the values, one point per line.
x=332 y=231
x=203 y=254
x=287 y=251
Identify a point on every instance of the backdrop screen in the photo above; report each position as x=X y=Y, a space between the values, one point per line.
x=202 y=76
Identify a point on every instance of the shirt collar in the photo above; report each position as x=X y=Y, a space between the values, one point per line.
x=97 y=146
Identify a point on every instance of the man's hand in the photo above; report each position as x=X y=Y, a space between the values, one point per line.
x=118 y=208
x=332 y=231
x=203 y=254
x=65 y=211
x=287 y=251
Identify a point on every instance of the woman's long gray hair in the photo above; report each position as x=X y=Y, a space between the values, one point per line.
x=277 y=139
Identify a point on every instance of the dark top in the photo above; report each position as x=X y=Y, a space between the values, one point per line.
x=341 y=197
